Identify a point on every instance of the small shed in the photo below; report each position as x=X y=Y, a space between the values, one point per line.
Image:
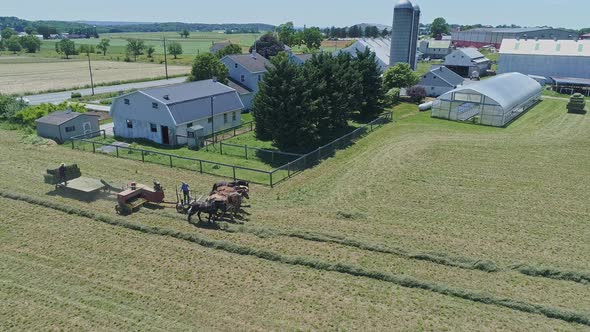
x=466 y=61
x=63 y=125
x=195 y=136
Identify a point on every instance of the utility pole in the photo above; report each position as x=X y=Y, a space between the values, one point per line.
x=90 y=69
x=165 y=57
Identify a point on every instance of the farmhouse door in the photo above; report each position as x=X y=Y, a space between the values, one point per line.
x=165 y=135
x=87 y=128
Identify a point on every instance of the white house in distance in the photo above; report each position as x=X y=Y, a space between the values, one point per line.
x=246 y=71
x=440 y=80
x=164 y=114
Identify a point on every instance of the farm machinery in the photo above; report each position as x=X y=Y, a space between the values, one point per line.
x=137 y=195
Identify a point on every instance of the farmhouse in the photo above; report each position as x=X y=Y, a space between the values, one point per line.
x=466 y=61
x=246 y=71
x=164 y=114
x=440 y=80
x=380 y=46
x=492 y=102
x=216 y=47
x=547 y=58
x=300 y=59
x=481 y=37
x=61 y=126
x=435 y=49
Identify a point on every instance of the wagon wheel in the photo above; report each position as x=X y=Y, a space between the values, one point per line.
x=118 y=209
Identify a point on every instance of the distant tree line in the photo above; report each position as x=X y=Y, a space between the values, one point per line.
x=300 y=107
x=356 y=31
x=12 y=42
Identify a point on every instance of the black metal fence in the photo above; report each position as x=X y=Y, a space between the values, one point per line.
x=289 y=164
x=229 y=133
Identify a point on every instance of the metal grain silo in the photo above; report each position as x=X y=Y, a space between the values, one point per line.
x=404 y=36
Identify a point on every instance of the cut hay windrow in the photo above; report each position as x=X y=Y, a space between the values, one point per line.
x=404 y=281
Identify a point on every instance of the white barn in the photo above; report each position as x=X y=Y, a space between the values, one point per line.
x=380 y=46
x=164 y=114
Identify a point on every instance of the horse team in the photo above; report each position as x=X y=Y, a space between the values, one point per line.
x=224 y=198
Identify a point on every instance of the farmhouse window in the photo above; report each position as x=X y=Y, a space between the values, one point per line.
x=127 y=102
x=190 y=134
x=233 y=116
x=155 y=105
x=129 y=124
x=236 y=65
x=70 y=129
x=190 y=124
x=242 y=78
x=209 y=120
x=153 y=128
x=225 y=118
x=259 y=78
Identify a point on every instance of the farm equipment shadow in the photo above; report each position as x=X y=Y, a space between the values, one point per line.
x=88 y=198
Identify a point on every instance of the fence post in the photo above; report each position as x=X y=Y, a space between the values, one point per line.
x=273 y=157
x=104 y=134
x=270 y=174
x=319 y=153
x=289 y=170
x=234 y=168
x=93 y=148
x=72 y=144
x=234 y=131
x=246 y=151
x=201 y=166
x=117 y=148
x=142 y=157
x=371 y=126
x=221 y=148
x=170 y=161
x=251 y=126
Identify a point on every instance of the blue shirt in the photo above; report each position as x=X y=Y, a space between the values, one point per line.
x=184 y=187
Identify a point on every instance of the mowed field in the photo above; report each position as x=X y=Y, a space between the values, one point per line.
x=25 y=75
x=419 y=226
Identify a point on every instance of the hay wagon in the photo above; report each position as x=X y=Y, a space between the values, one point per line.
x=75 y=182
x=136 y=196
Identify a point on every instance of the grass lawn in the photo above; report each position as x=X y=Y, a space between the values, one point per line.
x=439 y=192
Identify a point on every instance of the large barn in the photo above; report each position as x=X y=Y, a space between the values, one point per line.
x=492 y=102
x=547 y=58
x=381 y=47
x=494 y=36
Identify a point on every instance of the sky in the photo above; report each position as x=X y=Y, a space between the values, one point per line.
x=556 y=13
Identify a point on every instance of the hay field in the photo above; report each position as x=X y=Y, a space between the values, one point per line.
x=19 y=77
x=423 y=225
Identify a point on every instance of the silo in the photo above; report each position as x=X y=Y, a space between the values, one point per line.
x=404 y=35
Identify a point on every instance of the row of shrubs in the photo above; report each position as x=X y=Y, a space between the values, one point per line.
x=404 y=281
x=16 y=111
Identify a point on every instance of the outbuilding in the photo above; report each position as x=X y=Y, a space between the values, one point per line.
x=380 y=46
x=435 y=49
x=492 y=102
x=439 y=80
x=63 y=125
x=466 y=61
x=164 y=114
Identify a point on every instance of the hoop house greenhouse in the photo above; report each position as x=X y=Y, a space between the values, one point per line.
x=492 y=102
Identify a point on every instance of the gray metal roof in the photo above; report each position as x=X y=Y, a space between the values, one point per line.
x=183 y=92
x=60 y=117
x=219 y=46
x=447 y=75
x=192 y=101
x=303 y=57
x=472 y=53
x=238 y=87
x=254 y=64
x=507 y=90
x=511 y=30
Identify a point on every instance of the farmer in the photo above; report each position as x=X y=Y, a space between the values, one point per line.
x=62 y=174
x=185 y=192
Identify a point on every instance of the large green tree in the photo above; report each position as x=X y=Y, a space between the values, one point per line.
x=103 y=45
x=400 y=76
x=66 y=47
x=6 y=33
x=312 y=38
x=30 y=43
x=207 y=66
x=281 y=108
x=135 y=47
x=175 y=48
x=439 y=26
x=268 y=45
x=229 y=49
x=287 y=34
x=13 y=44
x=372 y=90
x=184 y=33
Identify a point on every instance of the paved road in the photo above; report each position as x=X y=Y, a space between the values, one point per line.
x=58 y=97
x=98 y=108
